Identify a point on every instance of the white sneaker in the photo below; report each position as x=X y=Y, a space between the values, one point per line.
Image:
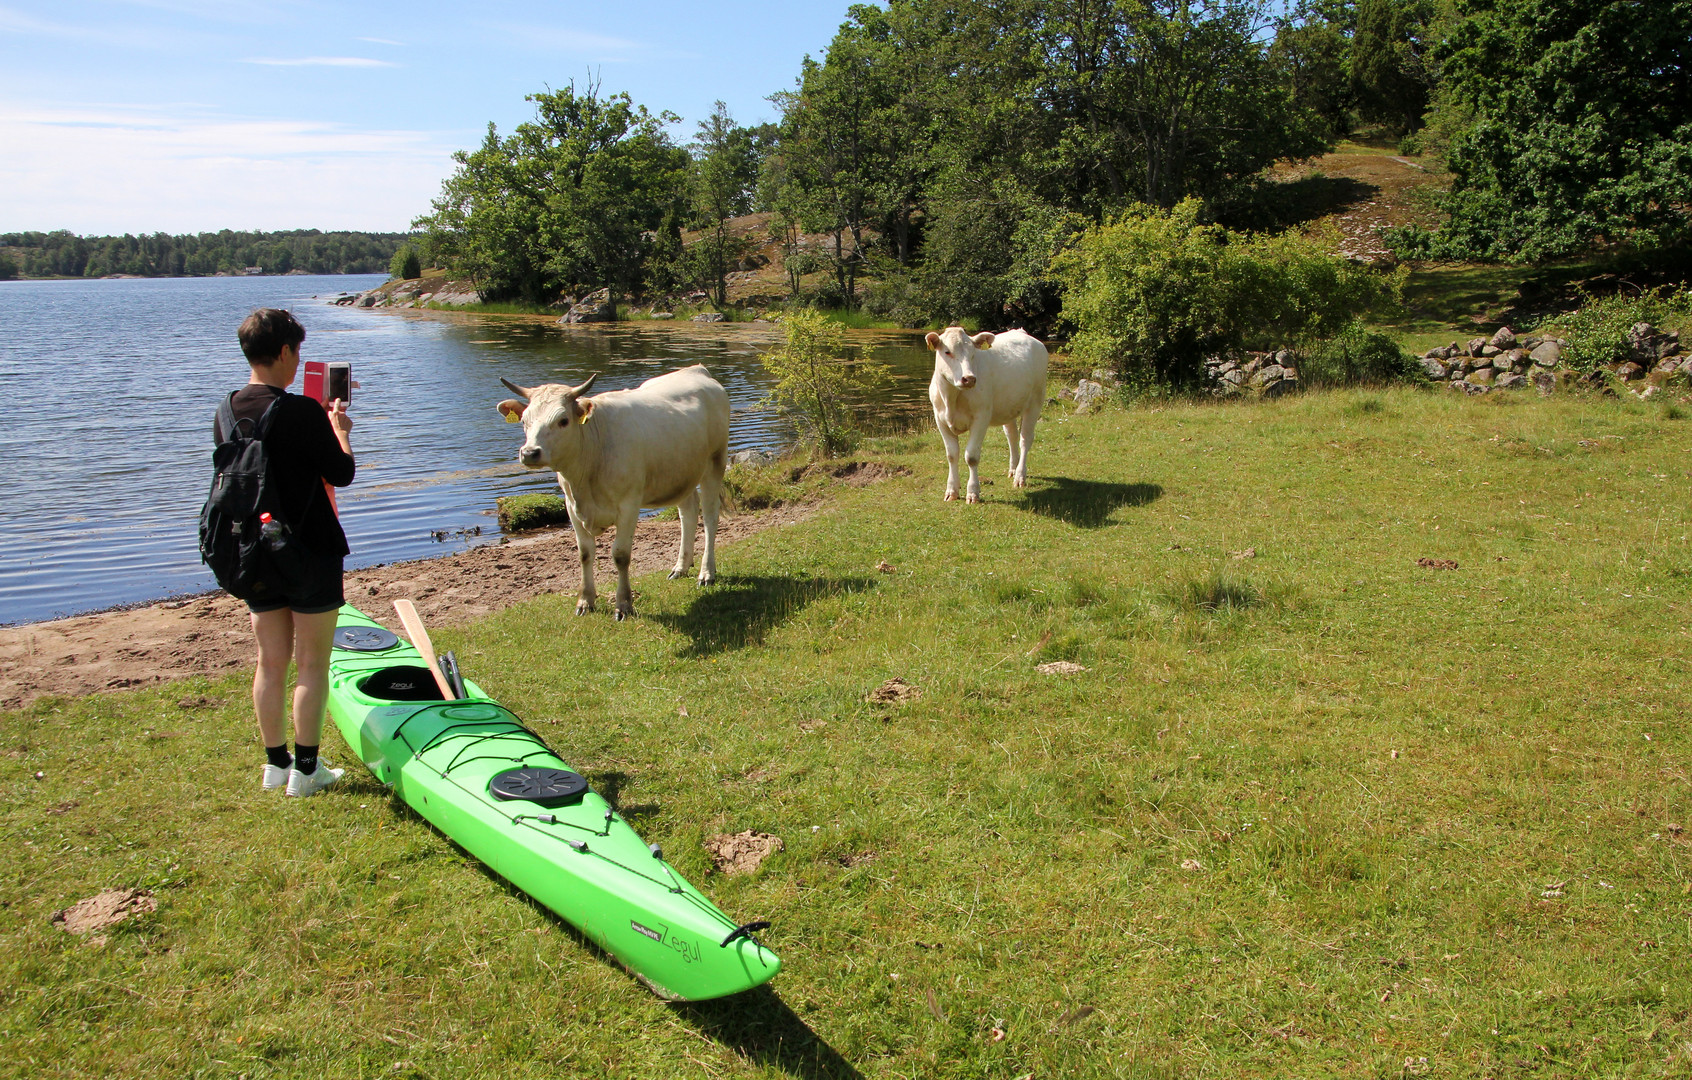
x=275 y=777
x=300 y=785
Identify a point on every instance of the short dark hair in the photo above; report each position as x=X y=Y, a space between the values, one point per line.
x=266 y=332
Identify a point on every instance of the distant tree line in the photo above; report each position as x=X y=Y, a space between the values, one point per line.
x=63 y=254
x=949 y=150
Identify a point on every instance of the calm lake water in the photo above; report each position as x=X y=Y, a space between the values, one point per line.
x=107 y=390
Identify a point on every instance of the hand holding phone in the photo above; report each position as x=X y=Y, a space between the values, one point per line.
x=338 y=380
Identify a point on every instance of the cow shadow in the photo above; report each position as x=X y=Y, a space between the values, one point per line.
x=761 y=1027
x=1085 y=503
x=740 y=611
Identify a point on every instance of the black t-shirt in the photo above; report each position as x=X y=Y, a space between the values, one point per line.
x=303 y=453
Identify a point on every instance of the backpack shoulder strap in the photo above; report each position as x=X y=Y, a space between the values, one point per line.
x=269 y=416
x=226 y=418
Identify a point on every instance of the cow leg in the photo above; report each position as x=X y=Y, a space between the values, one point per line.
x=584 y=551
x=951 y=442
x=1013 y=442
x=622 y=551
x=1019 y=478
x=711 y=501
x=972 y=458
x=688 y=508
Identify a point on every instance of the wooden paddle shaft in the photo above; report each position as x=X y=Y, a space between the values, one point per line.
x=420 y=641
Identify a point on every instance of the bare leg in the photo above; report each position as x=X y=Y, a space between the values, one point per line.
x=584 y=550
x=688 y=509
x=951 y=442
x=972 y=458
x=711 y=501
x=1029 y=419
x=1013 y=443
x=314 y=638
x=622 y=551
x=275 y=633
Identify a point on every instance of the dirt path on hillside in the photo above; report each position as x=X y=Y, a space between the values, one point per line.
x=210 y=634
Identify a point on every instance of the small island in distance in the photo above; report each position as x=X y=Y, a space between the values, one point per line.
x=62 y=254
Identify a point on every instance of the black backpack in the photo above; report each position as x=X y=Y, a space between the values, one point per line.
x=251 y=560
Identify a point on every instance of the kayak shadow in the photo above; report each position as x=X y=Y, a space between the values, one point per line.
x=739 y=611
x=1085 y=503
x=756 y=1022
x=609 y=783
x=761 y=1027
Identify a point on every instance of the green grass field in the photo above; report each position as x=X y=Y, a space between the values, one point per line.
x=1312 y=810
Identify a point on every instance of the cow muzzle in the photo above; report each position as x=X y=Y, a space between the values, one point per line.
x=530 y=456
x=967 y=381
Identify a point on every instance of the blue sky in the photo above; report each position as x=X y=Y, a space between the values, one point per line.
x=188 y=115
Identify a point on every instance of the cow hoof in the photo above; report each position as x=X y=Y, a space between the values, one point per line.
x=951 y=496
x=583 y=607
x=677 y=572
x=973 y=499
x=704 y=581
x=621 y=614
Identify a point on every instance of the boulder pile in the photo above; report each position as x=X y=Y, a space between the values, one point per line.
x=1267 y=374
x=1506 y=362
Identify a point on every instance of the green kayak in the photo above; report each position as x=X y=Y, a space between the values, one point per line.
x=475 y=772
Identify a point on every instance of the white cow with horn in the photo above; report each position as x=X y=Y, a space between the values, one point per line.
x=663 y=443
x=989 y=380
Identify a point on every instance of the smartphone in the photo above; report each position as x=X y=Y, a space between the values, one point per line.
x=339 y=379
x=312 y=380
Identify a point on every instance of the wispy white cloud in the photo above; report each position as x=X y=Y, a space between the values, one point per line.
x=130 y=37
x=382 y=41
x=561 y=39
x=108 y=170
x=319 y=61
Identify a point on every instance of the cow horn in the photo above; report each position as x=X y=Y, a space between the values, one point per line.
x=582 y=389
x=520 y=391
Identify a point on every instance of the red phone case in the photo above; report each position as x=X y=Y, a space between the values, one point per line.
x=316 y=379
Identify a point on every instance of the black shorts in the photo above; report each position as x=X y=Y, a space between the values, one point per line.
x=325 y=594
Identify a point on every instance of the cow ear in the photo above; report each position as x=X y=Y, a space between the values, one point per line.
x=512 y=410
x=933 y=340
x=983 y=340
x=584 y=411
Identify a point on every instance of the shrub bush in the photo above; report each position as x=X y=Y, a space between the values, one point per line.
x=815 y=386
x=405 y=265
x=1356 y=357
x=1597 y=334
x=520 y=512
x=1153 y=293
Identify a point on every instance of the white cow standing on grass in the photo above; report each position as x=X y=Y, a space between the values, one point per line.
x=663 y=443
x=988 y=380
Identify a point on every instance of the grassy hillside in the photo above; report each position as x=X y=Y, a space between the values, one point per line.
x=1311 y=809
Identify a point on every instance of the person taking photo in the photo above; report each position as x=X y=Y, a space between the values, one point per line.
x=307 y=447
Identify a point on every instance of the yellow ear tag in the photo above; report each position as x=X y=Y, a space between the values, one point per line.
x=511 y=417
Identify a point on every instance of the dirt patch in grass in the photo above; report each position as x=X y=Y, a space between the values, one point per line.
x=743 y=852
x=853 y=473
x=210 y=634
x=894 y=691
x=103 y=911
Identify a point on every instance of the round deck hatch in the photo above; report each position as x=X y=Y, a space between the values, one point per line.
x=471 y=712
x=364 y=638
x=544 y=787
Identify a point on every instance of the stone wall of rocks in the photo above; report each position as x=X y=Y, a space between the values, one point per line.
x=1506 y=362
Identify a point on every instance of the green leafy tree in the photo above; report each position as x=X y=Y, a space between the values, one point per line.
x=1570 y=124
x=8 y=266
x=1391 y=69
x=1154 y=293
x=815 y=386
x=571 y=200
x=405 y=265
x=725 y=171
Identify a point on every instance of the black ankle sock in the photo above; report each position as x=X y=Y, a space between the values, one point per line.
x=278 y=756
x=305 y=758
